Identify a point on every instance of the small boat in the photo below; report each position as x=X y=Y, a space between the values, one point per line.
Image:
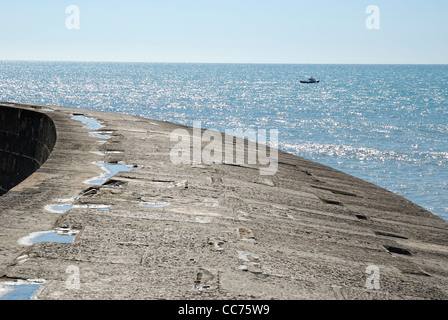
x=310 y=80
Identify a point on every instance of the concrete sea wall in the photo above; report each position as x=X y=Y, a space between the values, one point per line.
x=26 y=141
x=149 y=228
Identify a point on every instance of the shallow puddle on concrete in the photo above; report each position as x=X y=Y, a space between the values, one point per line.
x=101 y=135
x=91 y=123
x=62 y=235
x=63 y=208
x=58 y=208
x=55 y=237
x=110 y=171
x=104 y=208
x=19 y=290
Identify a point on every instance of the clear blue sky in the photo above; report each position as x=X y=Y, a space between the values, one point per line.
x=245 y=31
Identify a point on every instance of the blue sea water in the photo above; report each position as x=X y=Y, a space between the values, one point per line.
x=387 y=124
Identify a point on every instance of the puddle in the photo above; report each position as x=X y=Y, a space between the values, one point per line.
x=154 y=204
x=19 y=290
x=91 y=123
x=68 y=207
x=58 y=208
x=61 y=235
x=55 y=237
x=110 y=171
x=65 y=206
x=100 y=135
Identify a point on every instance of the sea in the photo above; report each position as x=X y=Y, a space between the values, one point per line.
x=387 y=124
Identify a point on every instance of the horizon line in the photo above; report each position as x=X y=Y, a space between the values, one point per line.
x=191 y=62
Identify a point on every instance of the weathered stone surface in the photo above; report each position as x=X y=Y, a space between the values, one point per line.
x=211 y=231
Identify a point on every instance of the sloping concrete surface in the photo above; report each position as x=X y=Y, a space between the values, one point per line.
x=216 y=231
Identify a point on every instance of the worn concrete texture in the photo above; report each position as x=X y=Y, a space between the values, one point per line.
x=219 y=231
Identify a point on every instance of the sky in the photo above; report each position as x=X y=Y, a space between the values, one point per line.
x=226 y=31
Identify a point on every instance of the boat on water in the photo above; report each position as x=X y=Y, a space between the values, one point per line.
x=310 y=80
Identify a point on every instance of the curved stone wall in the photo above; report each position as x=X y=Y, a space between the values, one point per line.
x=195 y=231
x=26 y=141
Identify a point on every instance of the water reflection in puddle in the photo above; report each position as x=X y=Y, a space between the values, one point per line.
x=55 y=237
x=64 y=206
x=110 y=171
x=100 y=135
x=62 y=235
x=19 y=290
x=91 y=123
x=55 y=208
